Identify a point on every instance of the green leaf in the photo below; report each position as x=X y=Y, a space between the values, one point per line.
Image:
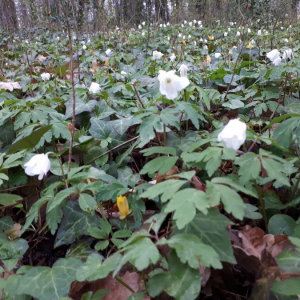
x=281 y=224
x=87 y=202
x=289 y=261
x=74 y=224
x=124 y=233
x=191 y=250
x=101 y=245
x=80 y=106
x=181 y=282
x=60 y=197
x=249 y=167
x=166 y=188
x=156 y=221
x=160 y=164
x=29 y=141
x=6 y=223
x=11 y=249
x=141 y=253
x=136 y=296
x=100 y=294
x=287 y=287
x=46 y=283
x=97 y=268
x=159 y=150
x=232 y=201
x=211 y=229
x=8 y=199
x=185 y=203
x=210 y=156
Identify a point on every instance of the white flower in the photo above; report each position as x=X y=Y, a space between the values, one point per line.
x=277 y=61
x=179 y=35
x=205 y=47
x=233 y=134
x=183 y=70
x=39 y=164
x=160 y=25
x=157 y=55
x=45 y=76
x=199 y=22
x=140 y=27
x=143 y=33
x=225 y=33
x=41 y=58
x=217 y=55
x=95 y=88
x=185 y=22
x=259 y=32
x=195 y=21
x=201 y=40
x=189 y=36
x=183 y=37
x=194 y=43
x=205 y=40
x=229 y=29
x=288 y=54
x=272 y=55
x=57 y=38
x=191 y=24
x=168 y=24
x=84 y=47
x=231 y=23
x=249 y=30
x=238 y=33
x=83 y=42
x=286 y=40
x=172 y=57
x=10 y=85
x=171 y=84
x=108 y=52
x=123 y=72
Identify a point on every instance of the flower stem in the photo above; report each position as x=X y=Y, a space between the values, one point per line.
x=262 y=206
x=124 y=284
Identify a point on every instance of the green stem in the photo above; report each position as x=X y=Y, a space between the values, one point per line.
x=124 y=284
x=262 y=206
x=165 y=136
x=102 y=211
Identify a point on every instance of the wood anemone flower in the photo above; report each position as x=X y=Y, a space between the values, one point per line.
x=123 y=207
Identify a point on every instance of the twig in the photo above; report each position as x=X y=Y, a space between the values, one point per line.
x=124 y=284
x=138 y=95
x=118 y=146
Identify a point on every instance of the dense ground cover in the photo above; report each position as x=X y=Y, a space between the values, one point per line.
x=141 y=176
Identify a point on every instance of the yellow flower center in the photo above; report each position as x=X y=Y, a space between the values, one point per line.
x=168 y=80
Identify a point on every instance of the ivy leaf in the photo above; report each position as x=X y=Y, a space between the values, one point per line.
x=181 y=282
x=97 y=268
x=191 y=250
x=160 y=164
x=74 y=224
x=211 y=229
x=46 y=283
x=80 y=106
x=185 y=210
x=12 y=249
x=60 y=197
x=6 y=223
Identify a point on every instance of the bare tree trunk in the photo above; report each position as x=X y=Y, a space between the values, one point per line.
x=8 y=15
